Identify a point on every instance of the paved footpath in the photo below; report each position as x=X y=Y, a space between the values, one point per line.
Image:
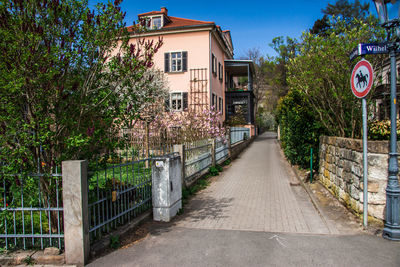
x=251 y=216
x=254 y=194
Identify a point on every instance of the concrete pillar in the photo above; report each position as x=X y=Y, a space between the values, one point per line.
x=166 y=187
x=181 y=150
x=76 y=221
x=213 y=148
x=228 y=133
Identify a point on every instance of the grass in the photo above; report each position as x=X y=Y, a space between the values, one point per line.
x=128 y=174
x=114 y=241
x=29 y=260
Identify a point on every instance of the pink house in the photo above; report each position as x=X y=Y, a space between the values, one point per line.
x=197 y=58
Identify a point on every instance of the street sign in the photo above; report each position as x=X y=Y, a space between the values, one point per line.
x=370 y=49
x=362 y=78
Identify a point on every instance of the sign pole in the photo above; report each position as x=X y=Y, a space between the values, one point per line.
x=361 y=82
x=365 y=161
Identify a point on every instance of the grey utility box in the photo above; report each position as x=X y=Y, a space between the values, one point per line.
x=166 y=187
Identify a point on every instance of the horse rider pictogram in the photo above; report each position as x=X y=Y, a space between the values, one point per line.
x=361 y=78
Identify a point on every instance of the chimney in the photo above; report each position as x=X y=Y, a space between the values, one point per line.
x=164 y=10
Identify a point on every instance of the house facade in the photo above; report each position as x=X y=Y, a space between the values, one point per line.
x=381 y=95
x=194 y=57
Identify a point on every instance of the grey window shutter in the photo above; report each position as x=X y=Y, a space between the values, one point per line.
x=166 y=62
x=212 y=63
x=184 y=61
x=185 y=100
x=166 y=104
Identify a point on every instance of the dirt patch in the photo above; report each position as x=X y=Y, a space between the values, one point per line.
x=129 y=238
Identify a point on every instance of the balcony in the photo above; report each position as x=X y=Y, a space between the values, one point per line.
x=239 y=92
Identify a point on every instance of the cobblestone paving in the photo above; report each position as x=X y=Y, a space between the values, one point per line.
x=254 y=194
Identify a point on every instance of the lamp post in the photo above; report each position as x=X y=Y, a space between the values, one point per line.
x=392 y=219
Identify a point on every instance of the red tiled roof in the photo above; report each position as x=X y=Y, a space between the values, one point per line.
x=180 y=22
x=151 y=13
x=172 y=22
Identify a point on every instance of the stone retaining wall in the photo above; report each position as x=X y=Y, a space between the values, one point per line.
x=341 y=172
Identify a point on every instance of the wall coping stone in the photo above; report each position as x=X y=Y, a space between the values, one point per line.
x=379 y=147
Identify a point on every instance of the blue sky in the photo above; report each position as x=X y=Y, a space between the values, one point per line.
x=253 y=24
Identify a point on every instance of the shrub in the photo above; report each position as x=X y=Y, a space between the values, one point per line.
x=219 y=168
x=114 y=241
x=300 y=129
x=213 y=171
x=380 y=130
x=226 y=162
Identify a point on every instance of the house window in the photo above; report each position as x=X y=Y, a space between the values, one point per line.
x=214 y=65
x=220 y=71
x=156 y=23
x=175 y=61
x=214 y=100
x=221 y=105
x=178 y=101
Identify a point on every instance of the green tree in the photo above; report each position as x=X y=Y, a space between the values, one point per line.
x=67 y=83
x=259 y=79
x=63 y=70
x=286 y=50
x=348 y=11
x=322 y=69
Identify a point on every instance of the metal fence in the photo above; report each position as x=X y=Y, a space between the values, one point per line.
x=31 y=211
x=118 y=192
x=158 y=142
x=197 y=158
x=221 y=149
x=239 y=134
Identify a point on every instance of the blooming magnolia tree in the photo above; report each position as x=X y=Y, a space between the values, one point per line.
x=187 y=126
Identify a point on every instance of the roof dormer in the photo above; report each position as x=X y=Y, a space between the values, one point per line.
x=156 y=19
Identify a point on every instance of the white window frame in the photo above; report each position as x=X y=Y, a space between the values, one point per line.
x=154 y=27
x=178 y=97
x=150 y=22
x=178 y=61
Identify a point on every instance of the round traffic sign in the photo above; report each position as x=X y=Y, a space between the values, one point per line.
x=362 y=78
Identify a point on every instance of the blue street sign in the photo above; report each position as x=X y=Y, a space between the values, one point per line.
x=368 y=49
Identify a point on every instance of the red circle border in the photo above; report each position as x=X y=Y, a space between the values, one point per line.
x=368 y=65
